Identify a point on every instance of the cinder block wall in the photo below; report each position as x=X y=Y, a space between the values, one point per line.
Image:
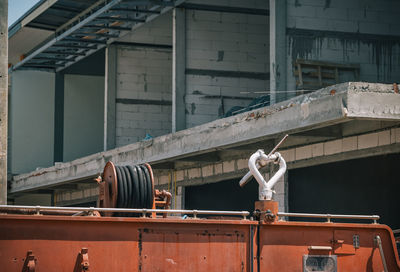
x=321 y=30
x=238 y=45
x=143 y=96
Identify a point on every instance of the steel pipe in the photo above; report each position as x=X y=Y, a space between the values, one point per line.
x=124 y=210
x=330 y=216
x=266 y=191
x=379 y=242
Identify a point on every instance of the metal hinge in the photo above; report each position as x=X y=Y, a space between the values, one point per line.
x=30 y=262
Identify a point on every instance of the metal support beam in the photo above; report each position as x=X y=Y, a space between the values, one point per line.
x=278 y=65
x=178 y=69
x=54 y=59
x=64 y=53
x=74 y=46
x=3 y=99
x=148 y=18
x=123 y=28
x=215 y=8
x=90 y=34
x=131 y=10
x=120 y=19
x=84 y=41
x=68 y=32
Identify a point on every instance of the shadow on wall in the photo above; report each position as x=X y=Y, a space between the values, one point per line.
x=362 y=186
x=226 y=195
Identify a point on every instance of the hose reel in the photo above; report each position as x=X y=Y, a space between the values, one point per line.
x=128 y=186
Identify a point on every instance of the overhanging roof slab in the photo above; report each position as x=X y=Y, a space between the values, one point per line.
x=326 y=107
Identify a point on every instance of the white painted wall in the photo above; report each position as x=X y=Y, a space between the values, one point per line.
x=31 y=120
x=83 y=115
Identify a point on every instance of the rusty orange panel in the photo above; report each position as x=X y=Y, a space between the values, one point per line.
x=58 y=243
x=283 y=246
x=125 y=244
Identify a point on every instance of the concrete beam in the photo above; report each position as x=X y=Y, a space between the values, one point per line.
x=110 y=95
x=3 y=99
x=277 y=35
x=310 y=111
x=344 y=156
x=59 y=118
x=178 y=69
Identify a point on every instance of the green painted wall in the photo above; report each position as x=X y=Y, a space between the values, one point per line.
x=31 y=120
x=83 y=115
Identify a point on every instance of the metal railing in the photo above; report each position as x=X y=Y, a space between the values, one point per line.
x=90 y=210
x=375 y=218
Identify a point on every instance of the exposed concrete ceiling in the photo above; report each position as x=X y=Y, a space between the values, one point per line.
x=330 y=113
x=24 y=40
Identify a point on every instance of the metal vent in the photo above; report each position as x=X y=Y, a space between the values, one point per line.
x=320 y=263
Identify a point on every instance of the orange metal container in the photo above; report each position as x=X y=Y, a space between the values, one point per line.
x=167 y=244
x=283 y=245
x=125 y=244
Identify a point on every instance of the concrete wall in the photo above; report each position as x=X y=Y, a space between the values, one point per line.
x=31 y=120
x=143 y=95
x=346 y=31
x=83 y=115
x=158 y=31
x=34 y=199
x=233 y=43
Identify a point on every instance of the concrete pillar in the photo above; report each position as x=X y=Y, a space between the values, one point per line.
x=110 y=95
x=178 y=69
x=3 y=99
x=59 y=118
x=277 y=32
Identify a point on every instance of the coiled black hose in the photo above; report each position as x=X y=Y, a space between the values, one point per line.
x=135 y=188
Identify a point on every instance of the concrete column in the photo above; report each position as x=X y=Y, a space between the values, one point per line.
x=59 y=118
x=3 y=99
x=110 y=95
x=277 y=33
x=178 y=69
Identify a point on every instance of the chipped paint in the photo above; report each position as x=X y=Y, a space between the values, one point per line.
x=305 y=109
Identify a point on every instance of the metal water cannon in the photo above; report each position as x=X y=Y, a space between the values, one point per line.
x=260 y=159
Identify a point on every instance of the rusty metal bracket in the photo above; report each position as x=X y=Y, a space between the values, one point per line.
x=269 y=216
x=30 y=262
x=82 y=260
x=395 y=88
x=85 y=259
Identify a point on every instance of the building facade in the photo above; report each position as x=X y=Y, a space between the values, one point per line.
x=157 y=83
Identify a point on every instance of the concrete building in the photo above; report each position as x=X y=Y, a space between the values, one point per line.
x=93 y=83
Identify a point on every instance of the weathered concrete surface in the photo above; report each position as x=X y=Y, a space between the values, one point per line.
x=3 y=99
x=328 y=106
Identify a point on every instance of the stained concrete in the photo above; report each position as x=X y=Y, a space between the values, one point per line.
x=3 y=99
x=326 y=107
